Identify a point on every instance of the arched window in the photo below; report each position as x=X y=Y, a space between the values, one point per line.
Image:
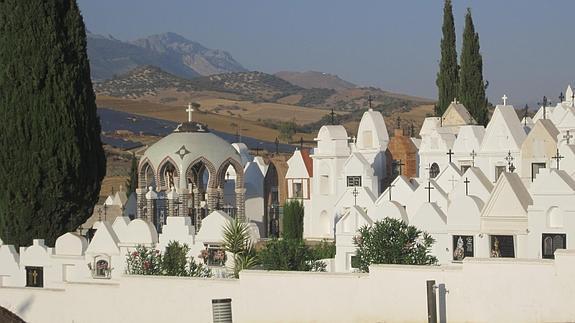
x=433 y=170
x=548 y=246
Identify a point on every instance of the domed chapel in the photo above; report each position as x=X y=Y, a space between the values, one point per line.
x=185 y=173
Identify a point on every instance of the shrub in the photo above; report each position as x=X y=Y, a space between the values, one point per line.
x=289 y=255
x=391 y=241
x=144 y=261
x=174 y=262
x=237 y=241
x=324 y=250
x=175 y=259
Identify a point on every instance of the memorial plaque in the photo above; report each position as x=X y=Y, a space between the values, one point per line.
x=462 y=247
x=34 y=276
x=502 y=247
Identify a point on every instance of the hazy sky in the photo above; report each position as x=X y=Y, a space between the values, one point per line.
x=528 y=46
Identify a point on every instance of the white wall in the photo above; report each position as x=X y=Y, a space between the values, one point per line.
x=480 y=290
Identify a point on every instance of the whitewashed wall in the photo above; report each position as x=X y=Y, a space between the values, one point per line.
x=480 y=290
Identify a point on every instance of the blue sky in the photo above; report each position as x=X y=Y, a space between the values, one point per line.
x=527 y=45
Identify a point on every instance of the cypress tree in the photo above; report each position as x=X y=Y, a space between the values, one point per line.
x=133 y=180
x=51 y=157
x=471 y=85
x=447 y=77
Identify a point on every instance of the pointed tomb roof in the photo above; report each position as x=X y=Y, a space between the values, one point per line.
x=421 y=195
x=448 y=177
x=300 y=165
x=105 y=241
x=353 y=219
x=468 y=139
x=478 y=185
x=430 y=217
x=401 y=190
x=506 y=209
x=551 y=181
x=456 y=115
x=504 y=132
x=372 y=132
x=464 y=214
x=541 y=141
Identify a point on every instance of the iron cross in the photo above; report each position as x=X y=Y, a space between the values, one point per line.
x=277 y=142
x=332 y=117
x=473 y=155
x=544 y=104
x=398 y=121
x=355 y=194
x=449 y=153
x=573 y=99
x=567 y=136
x=466 y=181
x=525 y=115
x=509 y=158
x=557 y=158
x=399 y=163
x=511 y=168
x=561 y=97
x=429 y=188
x=369 y=99
x=301 y=143
x=412 y=130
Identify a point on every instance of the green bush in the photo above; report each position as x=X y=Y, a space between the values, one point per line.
x=174 y=262
x=391 y=241
x=324 y=250
x=289 y=255
x=175 y=259
x=293 y=220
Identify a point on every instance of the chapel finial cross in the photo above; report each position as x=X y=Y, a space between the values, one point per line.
x=189 y=110
x=504 y=98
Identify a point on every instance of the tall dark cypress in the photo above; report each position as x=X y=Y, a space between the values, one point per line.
x=132 y=182
x=448 y=75
x=471 y=85
x=51 y=157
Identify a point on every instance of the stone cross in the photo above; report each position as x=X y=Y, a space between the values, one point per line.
x=390 y=186
x=355 y=194
x=429 y=188
x=557 y=158
x=189 y=110
x=473 y=155
x=466 y=181
x=449 y=153
x=504 y=98
x=567 y=136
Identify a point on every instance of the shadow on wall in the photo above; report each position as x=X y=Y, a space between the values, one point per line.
x=8 y=317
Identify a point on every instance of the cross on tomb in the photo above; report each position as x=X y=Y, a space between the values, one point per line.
x=369 y=99
x=573 y=99
x=511 y=168
x=257 y=149
x=567 y=137
x=557 y=158
x=525 y=115
x=301 y=143
x=509 y=158
x=355 y=194
x=450 y=153
x=332 y=114
x=504 y=98
x=390 y=186
x=398 y=122
x=412 y=130
x=561 y=97
x=544 y=104
x=429 y=188
x=473 y=155
x=466 y=181
x=34 y=277
x=399 y=163
x=189 y=110
x=453 y=181
x=277 y=142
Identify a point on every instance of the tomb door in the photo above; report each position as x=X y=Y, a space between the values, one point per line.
x=462 y=247
x=551 y=242
x=502 y=246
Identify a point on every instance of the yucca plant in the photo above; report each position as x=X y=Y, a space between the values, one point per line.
x=237 y=242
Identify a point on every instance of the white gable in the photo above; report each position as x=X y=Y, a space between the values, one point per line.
x=353 y=219
x=356 y=164
x=504 y=132
x=456 y=115
x=464 y=214
x=213 y=226
x=478 y=185
x=448 y=178
x=429 y=217
x=468 y=139
x=388 y=209
x=104 y=241
x=296 y=166
x=421 y=195
x=372 y=132
x=552 y=182
x=401 y=191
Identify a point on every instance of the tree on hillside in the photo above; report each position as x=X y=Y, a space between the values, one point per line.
x=51 y=157
x=448 y=75
x=391 y=241
x=471 y=85
x=132 y=183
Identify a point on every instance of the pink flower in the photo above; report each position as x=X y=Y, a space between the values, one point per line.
x=135 y=254
x=146 y=264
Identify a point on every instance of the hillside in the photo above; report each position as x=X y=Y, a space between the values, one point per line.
x=313 y=79
x=173 y=53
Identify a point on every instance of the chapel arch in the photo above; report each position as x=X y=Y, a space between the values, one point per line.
x=271 y=200
x=217 y=199
x=146 y=174
x=167 y=174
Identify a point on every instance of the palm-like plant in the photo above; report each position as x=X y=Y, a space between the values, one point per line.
x=237 y=242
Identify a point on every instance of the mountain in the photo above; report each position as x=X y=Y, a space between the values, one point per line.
x=313 y=79
x=171 y=52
